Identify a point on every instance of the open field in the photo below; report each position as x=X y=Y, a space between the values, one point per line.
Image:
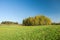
x=16 y=32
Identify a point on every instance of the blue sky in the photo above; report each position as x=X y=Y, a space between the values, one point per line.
x=17 y=10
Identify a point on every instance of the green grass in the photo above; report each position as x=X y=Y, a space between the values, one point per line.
x=16 y=32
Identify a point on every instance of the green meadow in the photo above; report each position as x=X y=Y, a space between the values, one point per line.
x=17 y=32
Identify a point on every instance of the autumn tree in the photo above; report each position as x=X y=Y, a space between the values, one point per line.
x=37 y=20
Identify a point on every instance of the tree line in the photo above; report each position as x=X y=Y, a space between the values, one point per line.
x=34 y=21
x=55 y=23
x=9 y=22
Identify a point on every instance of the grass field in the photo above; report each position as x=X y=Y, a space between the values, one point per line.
x=16 y=32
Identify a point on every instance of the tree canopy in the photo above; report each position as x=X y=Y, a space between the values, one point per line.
x=37 y=20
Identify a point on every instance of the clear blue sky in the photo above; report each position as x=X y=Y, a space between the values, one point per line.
x=17 y=10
